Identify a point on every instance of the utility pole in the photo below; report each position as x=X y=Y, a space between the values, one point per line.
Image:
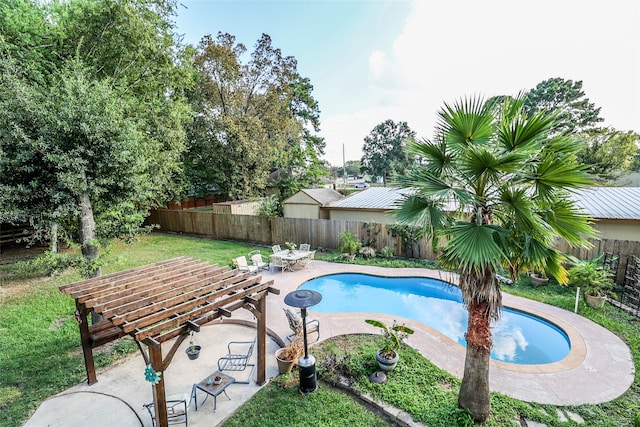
x=344 y=167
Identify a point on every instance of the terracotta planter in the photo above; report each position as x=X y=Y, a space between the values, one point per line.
x=284 y=366
x=387 y=364
x=594 y=301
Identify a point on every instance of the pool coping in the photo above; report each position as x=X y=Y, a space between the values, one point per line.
x=598 y=368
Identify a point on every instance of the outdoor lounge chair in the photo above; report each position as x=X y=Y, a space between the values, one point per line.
x=295 y=323
x=237 y=358
x=259 y=261
x=242 y=264
x=176 y=411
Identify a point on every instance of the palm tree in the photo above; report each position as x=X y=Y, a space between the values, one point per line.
x=493 y=186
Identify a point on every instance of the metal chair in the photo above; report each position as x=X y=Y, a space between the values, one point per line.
x=309 y=259
x=278 y=262
x=176 y=411
x=259 y=260
x=305 y=247
x=295 y=323
x=242 y=264
x=237 y=358
x=276 y=249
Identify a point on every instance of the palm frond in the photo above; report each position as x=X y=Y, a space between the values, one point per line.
x=569 y=222
x=558 y=172
x=468 y=121
x=426 y=212
x=473 y=246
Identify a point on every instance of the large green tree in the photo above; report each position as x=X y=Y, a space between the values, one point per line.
x=249 y=119
x=384 y=149
x=91 y=124
x=509 y=178
x=609 y=153
x=567 y=99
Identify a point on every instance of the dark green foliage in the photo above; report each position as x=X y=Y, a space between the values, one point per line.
x=251 y=119
x=384 y=150
x=566 y=99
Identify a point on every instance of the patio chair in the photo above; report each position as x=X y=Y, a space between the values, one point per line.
x=242 y=264
x=176 y=411
x=259 y=261
x=237 y=358
x=295 y=323
x=309 y=259
x=278 y=262
x=305 y=247
x=276 y=249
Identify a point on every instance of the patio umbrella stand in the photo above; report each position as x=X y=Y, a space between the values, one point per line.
x=302 y=299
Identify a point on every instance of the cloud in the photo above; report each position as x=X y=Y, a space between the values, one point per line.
x=448 y=50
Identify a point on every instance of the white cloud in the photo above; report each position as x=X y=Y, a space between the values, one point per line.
x=452 y=49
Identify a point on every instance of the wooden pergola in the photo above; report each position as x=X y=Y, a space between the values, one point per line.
x=163 y=301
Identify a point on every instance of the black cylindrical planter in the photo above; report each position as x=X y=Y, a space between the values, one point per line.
x=307 y=371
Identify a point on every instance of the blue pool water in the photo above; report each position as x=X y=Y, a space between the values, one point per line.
x=518 y=337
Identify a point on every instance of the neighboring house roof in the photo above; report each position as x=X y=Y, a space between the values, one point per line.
x=609 y=202
x=597 y=202
x=383 y=198
x=323 y=196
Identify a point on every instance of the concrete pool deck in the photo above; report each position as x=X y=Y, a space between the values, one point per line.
x=598 y=369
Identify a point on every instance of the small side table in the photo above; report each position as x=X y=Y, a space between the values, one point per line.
x=212 y=389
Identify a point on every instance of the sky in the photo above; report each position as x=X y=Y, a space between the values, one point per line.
x=373 y=60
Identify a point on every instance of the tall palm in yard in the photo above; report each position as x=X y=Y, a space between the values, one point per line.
x=493 y=187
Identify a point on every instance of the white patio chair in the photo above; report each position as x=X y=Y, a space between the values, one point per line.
x=242 y=264
x=276 y=249
x=260 y=261
x=309 y=259
x=305 y=247
x=278 y=262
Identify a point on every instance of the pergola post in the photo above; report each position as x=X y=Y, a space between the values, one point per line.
x=159 y=397
x=85 y=338
x=262 y=335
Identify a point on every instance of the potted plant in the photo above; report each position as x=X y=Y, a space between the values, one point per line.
x=193 y=351
x=287 y=356
x=591 y=276
x=539 y=278
x=387 y=356
x=291 y=246
x=349 y=244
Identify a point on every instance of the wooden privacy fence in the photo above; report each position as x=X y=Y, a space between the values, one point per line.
x=323 y=233
x=319 y=233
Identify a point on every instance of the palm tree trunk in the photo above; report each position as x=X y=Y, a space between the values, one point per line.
x=474 y=390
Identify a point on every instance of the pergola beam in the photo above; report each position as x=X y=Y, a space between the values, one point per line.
x=162 y=301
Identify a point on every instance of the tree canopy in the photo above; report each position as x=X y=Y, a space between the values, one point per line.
x=567 y=99
x=92 y=115
x=608 y=153
x=384 y=149
x=250 y=119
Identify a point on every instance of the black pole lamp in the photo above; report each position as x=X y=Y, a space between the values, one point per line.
x=303 y=298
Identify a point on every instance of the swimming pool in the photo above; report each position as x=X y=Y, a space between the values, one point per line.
x=518 y=337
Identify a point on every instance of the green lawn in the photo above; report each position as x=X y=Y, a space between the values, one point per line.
x=40 y=353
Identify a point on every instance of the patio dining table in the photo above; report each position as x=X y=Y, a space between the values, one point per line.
x=292 y=257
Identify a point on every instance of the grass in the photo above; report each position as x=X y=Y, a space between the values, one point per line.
x=40 y=353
